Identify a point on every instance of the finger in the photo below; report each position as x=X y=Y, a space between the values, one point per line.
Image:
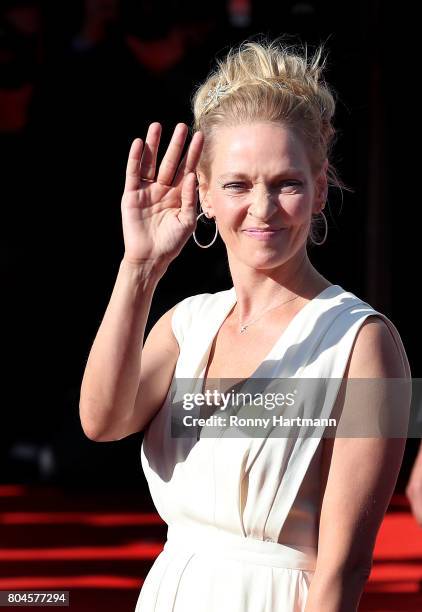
x=171 y=158
x=187 y=213
x=191 y=159
x=149 y=156
x=132 y=167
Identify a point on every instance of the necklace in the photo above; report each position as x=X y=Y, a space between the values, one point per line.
x=246 y=325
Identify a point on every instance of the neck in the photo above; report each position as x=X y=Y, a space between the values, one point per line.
x=259 y=289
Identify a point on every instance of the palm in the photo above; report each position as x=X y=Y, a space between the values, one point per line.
x=151 y=223
x=159 y=216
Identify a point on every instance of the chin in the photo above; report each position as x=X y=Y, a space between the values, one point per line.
x=267 y=263
x=259 y=259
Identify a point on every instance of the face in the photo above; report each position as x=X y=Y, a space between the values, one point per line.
x=261 y=179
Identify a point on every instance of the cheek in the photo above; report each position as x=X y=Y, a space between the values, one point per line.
x=228 y=210
x=297 y=209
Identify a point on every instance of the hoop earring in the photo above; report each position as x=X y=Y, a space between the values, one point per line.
x=206 y=246
x=325 y=234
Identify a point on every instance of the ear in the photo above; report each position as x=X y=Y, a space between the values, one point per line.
x=321 y=188
x=203 y=195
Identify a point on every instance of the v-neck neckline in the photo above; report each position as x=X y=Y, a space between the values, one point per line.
x=288 y=330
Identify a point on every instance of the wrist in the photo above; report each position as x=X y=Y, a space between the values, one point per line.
x=143 y=271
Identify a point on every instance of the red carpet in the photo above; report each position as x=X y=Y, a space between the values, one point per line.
x=99 y=546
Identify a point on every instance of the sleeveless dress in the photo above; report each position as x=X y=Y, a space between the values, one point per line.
x=242 y=512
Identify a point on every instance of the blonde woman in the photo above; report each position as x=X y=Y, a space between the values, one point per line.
x=261 y=523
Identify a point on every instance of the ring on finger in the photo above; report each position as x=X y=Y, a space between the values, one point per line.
x=147 y=180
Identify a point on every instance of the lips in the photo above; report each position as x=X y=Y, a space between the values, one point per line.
x=256 y=230
x=261 y=234
x=263 y=229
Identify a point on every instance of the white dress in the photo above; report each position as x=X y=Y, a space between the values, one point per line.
x=242 y=512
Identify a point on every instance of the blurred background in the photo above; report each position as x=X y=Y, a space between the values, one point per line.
x=79 y=80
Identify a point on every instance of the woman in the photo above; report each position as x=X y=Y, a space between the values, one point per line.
x=269 y=523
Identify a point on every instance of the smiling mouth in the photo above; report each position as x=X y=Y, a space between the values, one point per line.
x=263 y=231
x=263 y=235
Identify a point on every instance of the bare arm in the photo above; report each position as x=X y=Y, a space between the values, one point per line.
x=360 y=475
x=124 y=383
x=115 y=375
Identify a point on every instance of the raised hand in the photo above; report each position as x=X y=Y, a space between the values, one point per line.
x=158 y=214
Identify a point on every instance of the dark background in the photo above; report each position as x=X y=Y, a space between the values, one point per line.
x=78 y=82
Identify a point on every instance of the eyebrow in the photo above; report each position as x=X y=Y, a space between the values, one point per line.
x=241 y=175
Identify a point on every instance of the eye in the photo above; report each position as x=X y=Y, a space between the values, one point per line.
x=234 y=186
x=291 y=182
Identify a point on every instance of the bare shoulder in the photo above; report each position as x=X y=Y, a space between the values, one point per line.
x=377 y=351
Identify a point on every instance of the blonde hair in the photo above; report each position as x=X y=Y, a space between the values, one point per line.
x=269 y=81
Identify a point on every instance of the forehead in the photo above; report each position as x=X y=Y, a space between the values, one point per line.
x=258 y=148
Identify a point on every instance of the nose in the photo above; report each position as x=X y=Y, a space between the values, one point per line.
x=263 y=205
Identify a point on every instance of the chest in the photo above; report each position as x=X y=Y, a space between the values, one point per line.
x=237 y=356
